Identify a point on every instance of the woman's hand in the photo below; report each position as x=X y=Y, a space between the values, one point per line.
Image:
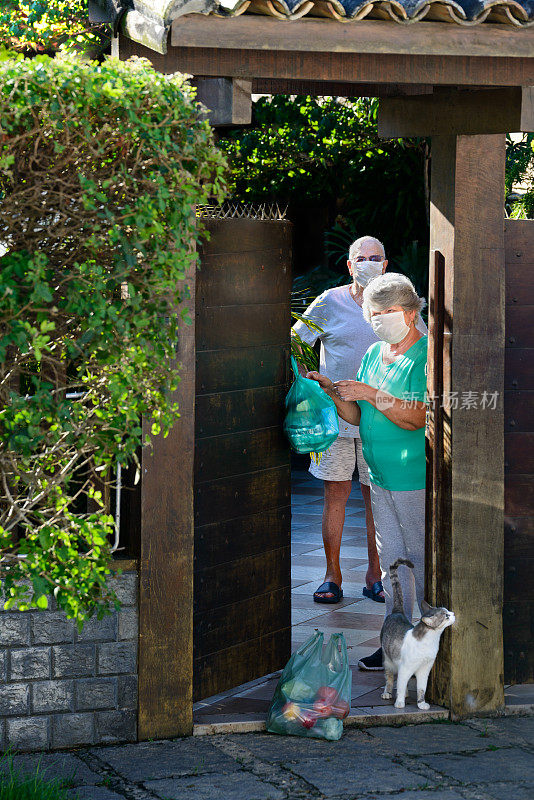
x=324 y=382
x=352 y=390
x=350 y=412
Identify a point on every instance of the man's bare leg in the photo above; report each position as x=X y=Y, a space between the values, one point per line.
x=336 y=494
x=373 y=570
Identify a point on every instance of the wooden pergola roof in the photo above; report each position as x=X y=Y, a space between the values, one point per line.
x=149 y=22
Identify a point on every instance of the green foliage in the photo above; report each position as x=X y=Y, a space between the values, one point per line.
x=100 y=170
x=519 y=159
x=520 y=170
x=337 y=242
x=45 y=25
x=326 y=150
x=303 y=149
x=305 y=289
x=302 y=352
x=523 y=207
x=293 y=146
x=16 y=785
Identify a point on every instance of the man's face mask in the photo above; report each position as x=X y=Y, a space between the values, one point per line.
x=363 y=272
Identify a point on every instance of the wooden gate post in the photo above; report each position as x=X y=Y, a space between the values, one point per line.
x=466 y=540
x=465 y=514
x=166 y=561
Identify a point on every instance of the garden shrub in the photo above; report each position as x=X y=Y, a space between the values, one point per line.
x=100 y=171
x=325 y=151
x=37 y=26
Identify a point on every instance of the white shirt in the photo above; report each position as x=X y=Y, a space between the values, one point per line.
x=345 y=338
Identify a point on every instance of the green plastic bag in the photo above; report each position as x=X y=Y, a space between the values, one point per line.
x=313 y=695
x=311 y=422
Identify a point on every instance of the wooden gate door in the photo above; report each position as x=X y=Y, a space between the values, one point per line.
x=518 y=612
x=242 y=573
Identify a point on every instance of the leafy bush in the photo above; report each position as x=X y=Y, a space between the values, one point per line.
x=327 y=150
x=45 y=25
x=100 y=171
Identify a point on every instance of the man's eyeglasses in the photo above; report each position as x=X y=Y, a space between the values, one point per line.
x=367 y=258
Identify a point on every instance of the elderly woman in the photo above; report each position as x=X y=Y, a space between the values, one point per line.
x=387 y=402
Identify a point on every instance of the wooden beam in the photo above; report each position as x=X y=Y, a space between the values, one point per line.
x=458 y=112
x=166 y=562
x=466 y=541
x=341 y=67
x=228 y=100
x=375 y=37
x=311 y=87
x=321 y=88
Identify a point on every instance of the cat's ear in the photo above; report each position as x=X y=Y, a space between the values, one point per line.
x=425 y=607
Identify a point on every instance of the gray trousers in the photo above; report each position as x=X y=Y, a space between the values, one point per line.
x=400 y=533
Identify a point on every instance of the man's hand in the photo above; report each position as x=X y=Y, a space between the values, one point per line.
x=352 y=390
x=324 y=382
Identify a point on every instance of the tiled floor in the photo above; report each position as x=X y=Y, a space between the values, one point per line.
x=360 y=619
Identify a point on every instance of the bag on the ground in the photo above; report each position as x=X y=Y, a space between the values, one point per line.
x=313 y=695
x=311 y=422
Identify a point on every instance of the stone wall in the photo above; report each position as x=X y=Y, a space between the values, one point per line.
x=62 y=688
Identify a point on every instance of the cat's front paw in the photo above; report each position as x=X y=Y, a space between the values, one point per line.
x=399 y=703
x=386 y=695
x=423 y=706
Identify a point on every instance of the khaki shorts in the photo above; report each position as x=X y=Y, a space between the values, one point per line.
x=339 y=461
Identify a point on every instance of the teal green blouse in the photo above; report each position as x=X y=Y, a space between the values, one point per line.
x=394 y=455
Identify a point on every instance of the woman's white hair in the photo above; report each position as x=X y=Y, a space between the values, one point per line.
x=390 y=289
x=354 y=249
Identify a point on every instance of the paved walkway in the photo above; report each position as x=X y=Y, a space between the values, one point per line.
x=474 y=760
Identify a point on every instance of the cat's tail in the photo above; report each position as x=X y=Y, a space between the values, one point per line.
x=398 y=603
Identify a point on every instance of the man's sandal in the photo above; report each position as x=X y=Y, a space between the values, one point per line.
x=374 y=592
x=328 y=587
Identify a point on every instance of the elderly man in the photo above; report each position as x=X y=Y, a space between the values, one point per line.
x=345 y=336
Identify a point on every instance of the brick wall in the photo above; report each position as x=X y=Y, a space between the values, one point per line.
x=62 y=688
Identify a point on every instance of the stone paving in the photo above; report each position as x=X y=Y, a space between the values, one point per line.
x=472 y=760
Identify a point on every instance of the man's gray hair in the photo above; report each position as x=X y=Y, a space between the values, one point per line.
x=355 y=246
x=390 y=289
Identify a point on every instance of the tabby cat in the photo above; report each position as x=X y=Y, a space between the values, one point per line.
x=407 y=649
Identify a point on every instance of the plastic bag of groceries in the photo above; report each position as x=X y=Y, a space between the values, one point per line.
x=311 y=422
x=313 y=695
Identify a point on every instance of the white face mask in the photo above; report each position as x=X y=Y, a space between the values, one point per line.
x=363 y=272
x=390 y=328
